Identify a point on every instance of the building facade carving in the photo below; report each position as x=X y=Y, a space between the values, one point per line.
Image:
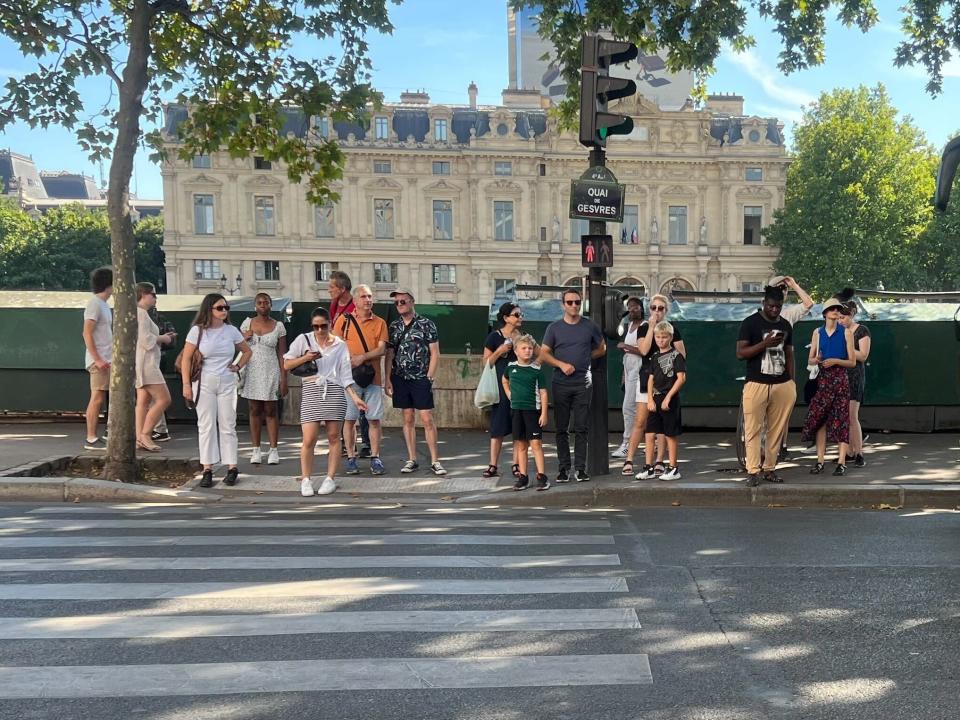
x=460 y=203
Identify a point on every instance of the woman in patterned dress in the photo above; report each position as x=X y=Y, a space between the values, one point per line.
x=828 y=415
x=264 y=378
x=324 y=399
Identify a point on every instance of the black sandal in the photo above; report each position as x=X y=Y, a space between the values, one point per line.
x=515 y=470
x=491 y=471
x=817 y=469
x=627 y=468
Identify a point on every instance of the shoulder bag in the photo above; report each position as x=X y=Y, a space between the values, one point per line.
x=364 y=373
x=196 y=361
x=308 y=369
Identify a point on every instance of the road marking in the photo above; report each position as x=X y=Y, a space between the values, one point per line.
x=91 y=541
x=318 y=675
x=286 y=562
x=189 y=626
x=366 y=586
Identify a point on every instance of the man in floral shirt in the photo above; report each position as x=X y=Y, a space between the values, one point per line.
x=413 y=354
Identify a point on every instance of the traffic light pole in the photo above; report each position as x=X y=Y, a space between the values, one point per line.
x=598 y=460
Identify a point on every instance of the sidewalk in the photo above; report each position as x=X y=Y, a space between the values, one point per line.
x=926 y=465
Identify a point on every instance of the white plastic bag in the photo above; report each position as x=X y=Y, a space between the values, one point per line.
x=487 y=391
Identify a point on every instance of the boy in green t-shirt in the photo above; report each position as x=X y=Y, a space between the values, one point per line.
x=525 y=385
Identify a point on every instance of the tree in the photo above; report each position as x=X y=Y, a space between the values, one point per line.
x=692 y=33
x=938 y=250
x=858 y=195
x=232 y=63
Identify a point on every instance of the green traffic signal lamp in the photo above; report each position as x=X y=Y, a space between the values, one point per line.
x=597 y=89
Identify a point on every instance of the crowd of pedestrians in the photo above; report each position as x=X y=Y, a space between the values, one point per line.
x=350 y=362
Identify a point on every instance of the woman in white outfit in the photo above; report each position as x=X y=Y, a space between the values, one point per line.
x=264 y=380
x=153 y=397
x=215 y=394
x=324 y=398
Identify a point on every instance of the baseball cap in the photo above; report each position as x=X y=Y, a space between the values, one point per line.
x=403 y=291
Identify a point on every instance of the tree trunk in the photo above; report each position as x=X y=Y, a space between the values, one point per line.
x=121 y=459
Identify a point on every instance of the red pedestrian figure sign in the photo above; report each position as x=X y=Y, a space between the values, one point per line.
x=596 y=251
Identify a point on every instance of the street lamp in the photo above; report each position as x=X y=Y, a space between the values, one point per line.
x=223 y=284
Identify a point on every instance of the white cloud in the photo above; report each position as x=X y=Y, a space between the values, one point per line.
x=769 y=78
x=791 y=115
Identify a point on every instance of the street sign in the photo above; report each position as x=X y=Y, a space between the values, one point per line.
x=597 y=196
x=596 y=251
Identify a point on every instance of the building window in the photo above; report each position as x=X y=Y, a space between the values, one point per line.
x=444 y=274
x=322 y=270
x=206 y=269
x=750 y=287
x=543 y=169
x=630 y=227
x=440 y=130
x=503 y=220
x=503 y=167
x=443 y=220
x=267 y=270
x=754 y=174
x=260 y=163
x=383 y=218
x=264 y=220
x=381 y=128
x=203 y=214
x=677 y=225
x=504 y=287
x=323 y=127
x=201 y=162
x=323 y=220
x=384 y=272
x=441 y=168
x=578 y=228
x=382 y=167
x=752 y=221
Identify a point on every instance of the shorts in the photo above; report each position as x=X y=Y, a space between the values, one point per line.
x=372 y=395
x=99 y=379
x=416 y=394
x=664 y=422
x=526 y=425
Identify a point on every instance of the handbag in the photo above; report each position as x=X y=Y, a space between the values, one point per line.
x=487 y=393
x=364 y=373
x=309 y=368
x=196 y=361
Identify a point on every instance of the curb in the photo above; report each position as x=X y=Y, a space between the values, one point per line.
x=70 y=489
x=892 y=497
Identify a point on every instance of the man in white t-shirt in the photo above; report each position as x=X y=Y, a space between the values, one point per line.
x=796 y=312
x=98 y=339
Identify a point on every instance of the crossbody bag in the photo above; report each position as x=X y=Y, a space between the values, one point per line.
x=364 y=373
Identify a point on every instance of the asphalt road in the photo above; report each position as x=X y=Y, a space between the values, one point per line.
x=346 y=612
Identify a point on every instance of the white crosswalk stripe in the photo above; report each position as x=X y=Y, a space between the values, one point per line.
x=257 y=575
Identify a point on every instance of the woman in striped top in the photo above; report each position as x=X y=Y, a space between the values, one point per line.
x=324 y=398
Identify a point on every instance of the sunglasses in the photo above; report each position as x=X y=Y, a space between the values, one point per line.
x=321 y=326
x=658 y=307
x=572 y=302
x=402 y=302
x=221 y=308
x=516 y=314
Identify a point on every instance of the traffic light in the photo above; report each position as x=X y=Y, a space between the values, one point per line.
x=597 y=88
x=614 y=310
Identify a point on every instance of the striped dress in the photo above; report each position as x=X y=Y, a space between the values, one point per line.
x=324 y=396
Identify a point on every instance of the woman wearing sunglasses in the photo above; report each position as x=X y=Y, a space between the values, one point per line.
x=215 y=393
x=498 y=351
x=322 y=360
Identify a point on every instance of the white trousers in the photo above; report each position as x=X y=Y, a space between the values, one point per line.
x=217 y=419
x=629 y=403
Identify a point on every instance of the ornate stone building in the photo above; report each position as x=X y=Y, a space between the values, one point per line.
x=461 y=202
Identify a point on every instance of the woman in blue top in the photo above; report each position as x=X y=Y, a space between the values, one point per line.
x=828 y=415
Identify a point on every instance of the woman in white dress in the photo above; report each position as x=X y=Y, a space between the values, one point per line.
x=153 y=397
x=215 y=394
x=324 y=399
x=265 y=379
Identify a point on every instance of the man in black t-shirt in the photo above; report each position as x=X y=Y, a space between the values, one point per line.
x=766 y=343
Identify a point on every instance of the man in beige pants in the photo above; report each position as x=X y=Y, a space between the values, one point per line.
x=766 y=343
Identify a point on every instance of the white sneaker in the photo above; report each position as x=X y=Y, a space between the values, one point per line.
x=647 y=473
x=256 y=457
x=273 y=457
x=327 y=486
x=306 y=487
x=672 y=473
x=620 y=452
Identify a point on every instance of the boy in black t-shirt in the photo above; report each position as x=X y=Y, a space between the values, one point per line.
x=668 y=374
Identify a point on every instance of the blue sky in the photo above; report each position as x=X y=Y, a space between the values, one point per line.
x=432 y=49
